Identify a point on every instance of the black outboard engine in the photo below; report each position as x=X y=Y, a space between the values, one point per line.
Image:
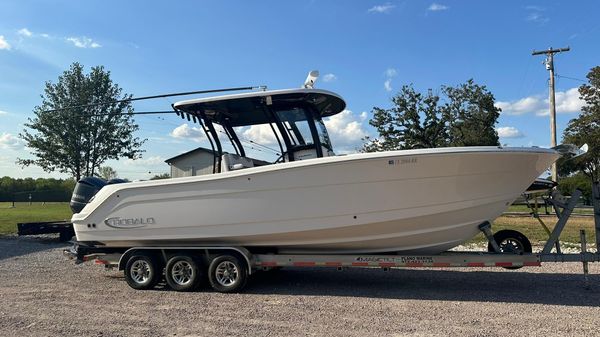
x=86 y=188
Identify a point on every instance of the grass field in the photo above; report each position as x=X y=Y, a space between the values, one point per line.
x=23 y=212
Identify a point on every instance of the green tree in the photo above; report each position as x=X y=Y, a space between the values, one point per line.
x=78 y=140
x=585 y=129
x=466 y=118
x=107 y=172
x=161 y=176
x=579 y=180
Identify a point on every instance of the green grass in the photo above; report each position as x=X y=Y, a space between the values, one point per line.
x=23 y=212
x=536 y=233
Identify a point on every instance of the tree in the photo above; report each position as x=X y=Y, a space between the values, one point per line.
x=107 y=172
x=79 y=139
x=161 y=176
x=585 y=129
x=416 y=120
x=567 y=185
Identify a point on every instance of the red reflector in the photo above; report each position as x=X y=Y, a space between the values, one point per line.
x=360 y=264
x=504 y=264
x=304 y=264
x=475 y=264
x=532 y=264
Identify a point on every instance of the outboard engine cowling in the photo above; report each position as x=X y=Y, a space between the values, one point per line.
x=85 y=189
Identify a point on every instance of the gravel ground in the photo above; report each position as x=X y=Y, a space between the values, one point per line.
x=43 y=294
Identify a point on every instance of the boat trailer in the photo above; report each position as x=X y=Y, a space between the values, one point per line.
x=249 y=262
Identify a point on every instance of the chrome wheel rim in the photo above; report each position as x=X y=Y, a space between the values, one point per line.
x=226 y=273
x=182 y=273
x=511 y=246
x=140 y=271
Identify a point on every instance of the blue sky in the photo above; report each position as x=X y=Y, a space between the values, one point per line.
x=365 y=50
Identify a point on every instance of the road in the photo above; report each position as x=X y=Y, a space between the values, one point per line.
x=43 y=294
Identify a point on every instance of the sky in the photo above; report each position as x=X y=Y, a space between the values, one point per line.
x=365 y=51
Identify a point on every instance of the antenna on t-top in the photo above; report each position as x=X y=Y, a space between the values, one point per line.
x=309 y=83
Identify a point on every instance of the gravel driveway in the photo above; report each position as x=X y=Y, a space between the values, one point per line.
x=43 y=294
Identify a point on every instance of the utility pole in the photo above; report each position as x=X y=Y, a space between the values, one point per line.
x=550 y=67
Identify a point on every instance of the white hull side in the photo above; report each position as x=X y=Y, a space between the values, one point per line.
x=424 y=201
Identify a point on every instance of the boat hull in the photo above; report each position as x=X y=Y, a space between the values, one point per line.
x=416 y=201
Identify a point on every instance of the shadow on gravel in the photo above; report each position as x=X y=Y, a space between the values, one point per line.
x=14 y=246
x=432 y=284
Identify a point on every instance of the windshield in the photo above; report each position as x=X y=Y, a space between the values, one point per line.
x=295 y=122
x=323 y=135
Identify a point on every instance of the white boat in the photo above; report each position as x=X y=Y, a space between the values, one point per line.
x=310 y=201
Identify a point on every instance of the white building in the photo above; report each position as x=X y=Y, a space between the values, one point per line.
x=192 y=163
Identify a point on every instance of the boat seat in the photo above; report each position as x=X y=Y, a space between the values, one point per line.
x=232 y=162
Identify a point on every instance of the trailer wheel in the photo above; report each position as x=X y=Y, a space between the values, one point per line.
x=183 y=273
x=511 y=241
x=227 y=274
x=141 y=272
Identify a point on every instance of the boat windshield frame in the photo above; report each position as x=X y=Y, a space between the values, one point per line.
x=290 y=138
x=307 y=106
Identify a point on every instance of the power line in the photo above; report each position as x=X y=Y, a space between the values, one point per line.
x=571 y=78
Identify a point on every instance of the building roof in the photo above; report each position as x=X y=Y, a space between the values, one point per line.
x=185 y=154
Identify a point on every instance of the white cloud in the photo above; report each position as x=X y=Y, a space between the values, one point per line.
x=435 y=7
x=388 y=85
x=3 y=43
x=329 y=77
x=391 y=72
x=536 y=15
x=346 y=131
x=261 y=134
x=381 y=8
x=24 y=32
x=509 y=132
x=150 y=161
x=537 y=18
x=521 y=106
x=566 y=102
x=186 y=131
x=9 y=142
x=83 y=42
x=3 y=113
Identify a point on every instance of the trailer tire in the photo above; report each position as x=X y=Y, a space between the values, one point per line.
x=227 y=274
x=511 y=241
x=183 y=273
x=142 y=272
